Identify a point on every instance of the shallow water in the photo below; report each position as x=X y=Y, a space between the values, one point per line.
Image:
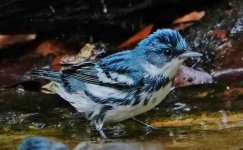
x=188 y=119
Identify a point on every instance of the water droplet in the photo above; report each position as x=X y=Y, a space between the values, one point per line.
x=20 y=89
x=52 y=9
x=224 y=116
x=202 y=123
x=104 y=9
x=171 y=133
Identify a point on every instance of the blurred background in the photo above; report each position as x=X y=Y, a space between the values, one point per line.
x=204 y=109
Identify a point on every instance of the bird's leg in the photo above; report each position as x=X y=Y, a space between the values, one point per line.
x=99 y=120
x=98 y=127
x=147 y=125
x=102 y=134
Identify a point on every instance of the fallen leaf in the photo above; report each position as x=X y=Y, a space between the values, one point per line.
x=48 y=88
x=188 y=20
x=218 y=33
x=84 y=54
x=58 y=59
x=233 y=92
x=193 y=16
x=51 y=47
x=6 y=40
x=132 y=41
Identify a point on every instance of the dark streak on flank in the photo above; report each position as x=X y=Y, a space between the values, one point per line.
x=154 y=84
x=111 y=100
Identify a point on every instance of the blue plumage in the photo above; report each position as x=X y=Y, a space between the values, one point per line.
x=167 y=38
x=41 y=143
x=125 y=84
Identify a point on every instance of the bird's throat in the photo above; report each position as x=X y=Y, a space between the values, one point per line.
x=169 y=69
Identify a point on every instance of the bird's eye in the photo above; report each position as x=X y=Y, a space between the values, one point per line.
x=167 y=52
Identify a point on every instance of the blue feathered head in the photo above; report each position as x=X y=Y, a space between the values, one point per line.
x=162 y=46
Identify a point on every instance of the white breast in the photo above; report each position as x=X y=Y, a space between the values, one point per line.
x=120 y=113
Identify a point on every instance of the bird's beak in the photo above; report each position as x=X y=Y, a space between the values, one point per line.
x=189 y=54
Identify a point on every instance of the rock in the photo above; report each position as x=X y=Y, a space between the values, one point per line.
x=187 y=76
x=219 y=37
x=229 y=76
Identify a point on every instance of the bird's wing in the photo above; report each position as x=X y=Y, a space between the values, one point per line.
x=99 y=74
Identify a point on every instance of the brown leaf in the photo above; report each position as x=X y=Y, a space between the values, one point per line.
x=6 y=40
x=58 y=59
x=51 y=47
x=192 y=16
x=187 y=20
x=84 y=54
x=132 y=41
x=233 y=92
x=218 y=33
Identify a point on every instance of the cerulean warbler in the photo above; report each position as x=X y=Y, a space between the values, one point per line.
x=124 y=84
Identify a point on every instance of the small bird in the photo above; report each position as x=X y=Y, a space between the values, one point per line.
x=41 y=143
x=125 y=84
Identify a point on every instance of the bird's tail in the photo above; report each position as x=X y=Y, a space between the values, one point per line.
x=46 y=74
